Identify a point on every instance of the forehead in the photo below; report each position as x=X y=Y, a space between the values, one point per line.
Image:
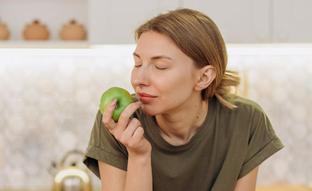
x=151 y=42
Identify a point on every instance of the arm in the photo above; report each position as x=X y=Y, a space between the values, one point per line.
x=139 y=174
x=138 y=177
x=112 y=178
x=130 y=133
x=248 y=182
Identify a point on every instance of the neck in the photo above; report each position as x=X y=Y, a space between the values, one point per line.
x=179 y=125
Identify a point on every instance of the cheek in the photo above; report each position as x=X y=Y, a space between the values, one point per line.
x=176 y=87
x=172 y=87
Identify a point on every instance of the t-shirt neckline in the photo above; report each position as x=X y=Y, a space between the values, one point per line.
x=203 y=130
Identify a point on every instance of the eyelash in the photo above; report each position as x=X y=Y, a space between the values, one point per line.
x=158 y=68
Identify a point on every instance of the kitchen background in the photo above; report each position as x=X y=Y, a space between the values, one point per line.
x=50 y=88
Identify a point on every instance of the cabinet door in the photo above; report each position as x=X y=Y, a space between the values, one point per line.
x=114 y=21
x=292 y=21
x=240 y=21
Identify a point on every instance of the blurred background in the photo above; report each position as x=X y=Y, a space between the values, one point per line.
x=58 y=56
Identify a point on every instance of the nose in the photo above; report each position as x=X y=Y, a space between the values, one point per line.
x=140 y=76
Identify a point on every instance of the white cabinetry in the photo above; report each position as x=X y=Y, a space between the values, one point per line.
x=114 y=21
x=254 y=21
x=240 y=21
x=292 y=21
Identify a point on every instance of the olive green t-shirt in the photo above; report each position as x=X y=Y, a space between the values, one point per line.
x=228 y=145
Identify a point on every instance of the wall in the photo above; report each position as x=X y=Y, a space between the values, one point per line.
x=49 y=98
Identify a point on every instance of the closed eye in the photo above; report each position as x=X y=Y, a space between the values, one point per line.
x=160 y=68
x=137 y=64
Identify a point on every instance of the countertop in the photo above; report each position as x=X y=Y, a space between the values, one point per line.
x=285 y=188
x=260 y=188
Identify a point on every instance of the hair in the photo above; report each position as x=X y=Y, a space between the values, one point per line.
x=197 y=36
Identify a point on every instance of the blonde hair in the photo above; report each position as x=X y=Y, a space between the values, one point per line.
x=199 y=38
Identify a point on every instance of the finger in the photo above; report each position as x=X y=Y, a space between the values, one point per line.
x=138 y=135
x=107 y=119
x=126 y=114
x=129 y=131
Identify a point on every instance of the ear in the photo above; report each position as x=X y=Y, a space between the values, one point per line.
x=205 y=77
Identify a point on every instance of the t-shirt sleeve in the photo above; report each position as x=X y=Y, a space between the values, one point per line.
x=262 y=142
x=104 y=147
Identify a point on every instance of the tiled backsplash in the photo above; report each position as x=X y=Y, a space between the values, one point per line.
x=49 y=98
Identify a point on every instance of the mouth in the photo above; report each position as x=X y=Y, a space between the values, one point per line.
x=146 y=98
x=146 y=95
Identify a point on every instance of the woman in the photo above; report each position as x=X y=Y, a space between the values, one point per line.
x=189 y=131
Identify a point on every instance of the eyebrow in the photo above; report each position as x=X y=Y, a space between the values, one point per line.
x=154 y=57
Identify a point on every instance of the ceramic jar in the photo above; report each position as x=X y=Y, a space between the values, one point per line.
x=36 y=31
x=4 y=31
x=73 y=31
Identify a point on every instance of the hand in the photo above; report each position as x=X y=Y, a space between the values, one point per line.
x=127 y=131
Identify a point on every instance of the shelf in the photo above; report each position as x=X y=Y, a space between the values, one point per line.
x=52 y=13
x=44 y=44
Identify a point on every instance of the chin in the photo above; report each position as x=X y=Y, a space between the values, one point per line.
x=150 y=111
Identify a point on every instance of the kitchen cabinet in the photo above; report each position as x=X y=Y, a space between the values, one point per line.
x=114 y=21
x=292 y=21
x=265 y=21
x=240 y=21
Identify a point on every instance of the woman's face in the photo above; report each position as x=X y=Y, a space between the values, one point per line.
x=162 y=71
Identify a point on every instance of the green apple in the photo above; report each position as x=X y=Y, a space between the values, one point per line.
x=122 y=96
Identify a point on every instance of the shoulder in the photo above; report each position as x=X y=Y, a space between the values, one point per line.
x=246 y=116
x=246 y=107
x=246 y=104
x=252 y=117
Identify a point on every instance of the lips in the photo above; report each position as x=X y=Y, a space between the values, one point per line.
x=146 y=95
x=146 y=98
